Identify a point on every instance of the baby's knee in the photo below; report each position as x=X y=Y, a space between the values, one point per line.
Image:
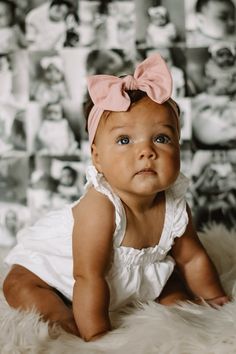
x=17 y=285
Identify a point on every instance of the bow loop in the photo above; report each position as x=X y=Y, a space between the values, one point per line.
x=154 y=78
x=107 y=92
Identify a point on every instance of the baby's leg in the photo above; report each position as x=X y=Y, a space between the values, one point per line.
x=174 y=291
x=25 y=290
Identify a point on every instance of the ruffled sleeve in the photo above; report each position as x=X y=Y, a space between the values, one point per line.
x=180 y=213
x=93 y=178
x=98 y=181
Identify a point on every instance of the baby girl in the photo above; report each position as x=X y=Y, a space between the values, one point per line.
x=120 y=242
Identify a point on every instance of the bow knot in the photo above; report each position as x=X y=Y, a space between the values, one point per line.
x=130 y=83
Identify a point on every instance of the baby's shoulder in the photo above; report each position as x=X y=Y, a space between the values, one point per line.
x=94 y=205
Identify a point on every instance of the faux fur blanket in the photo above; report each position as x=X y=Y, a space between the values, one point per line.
x=142 y=329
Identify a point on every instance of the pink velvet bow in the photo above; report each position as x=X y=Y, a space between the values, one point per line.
x=109 y=92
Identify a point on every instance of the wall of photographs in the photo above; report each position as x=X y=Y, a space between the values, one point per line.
x=46 y=50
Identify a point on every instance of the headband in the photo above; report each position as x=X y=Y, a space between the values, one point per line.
x=108 y=93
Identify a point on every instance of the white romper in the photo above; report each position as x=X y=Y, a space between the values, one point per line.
x=46 y=248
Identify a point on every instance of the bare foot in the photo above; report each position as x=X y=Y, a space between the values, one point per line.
x=215 y=302
x=70 y=326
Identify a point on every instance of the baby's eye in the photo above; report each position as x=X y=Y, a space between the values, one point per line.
x=162 y=139
x=123 y=140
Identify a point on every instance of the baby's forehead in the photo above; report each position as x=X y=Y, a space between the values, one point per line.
x=60 y=5
x=51 y=107
x=217 y=5
x=224 y=50
x=142 y=111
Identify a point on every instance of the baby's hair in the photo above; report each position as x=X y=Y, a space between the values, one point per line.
x=103 y=6
x=51 y=103
x=62 y=2
x=134 y=95
x=73 y=12
x=95 y=54
x=200 y=4
x=12 y=7
x=167 y=15
x=72 y=170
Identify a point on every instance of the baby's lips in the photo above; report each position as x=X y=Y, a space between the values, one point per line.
x=146 y=171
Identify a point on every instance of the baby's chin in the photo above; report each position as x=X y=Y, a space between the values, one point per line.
x=227 y=65
x=55 y=18
x=215 y=33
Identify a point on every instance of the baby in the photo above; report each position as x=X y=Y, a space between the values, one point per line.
x=105 y=61
x=125 y=18
x=52 y=86
x=214 y=121
x=160 y=32
x=215 y=195
x=121 y=241
x=72 y=29
x=9 y=229
x=45 y=25
x=6 y=78
x=215 y=20
x=55 y=136
x=220 y=69
x=11 y=36
x=67 y=186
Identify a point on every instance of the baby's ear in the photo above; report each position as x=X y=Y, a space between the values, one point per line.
x=200 y=20
x=96 y=158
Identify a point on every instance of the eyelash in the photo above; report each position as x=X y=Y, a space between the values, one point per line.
x=119 y=140
x=165 y=139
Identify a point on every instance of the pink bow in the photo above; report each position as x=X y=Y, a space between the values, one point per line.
x=109 y=92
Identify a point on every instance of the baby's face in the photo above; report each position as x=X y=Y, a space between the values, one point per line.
x=58 y=13
x=138 y=150
x=5 y=15
x=217 y=19
x=52 y=74
x=67 y=179
x=54 y=112
x=71 y=21
x=224 y=58
x=159 y=20
x=109 y=62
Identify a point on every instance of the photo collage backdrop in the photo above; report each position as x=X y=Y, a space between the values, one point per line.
x=47 y=48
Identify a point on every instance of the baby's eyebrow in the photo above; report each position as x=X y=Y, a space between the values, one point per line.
x=169 y=126
x=165 y=125
x=117 y=127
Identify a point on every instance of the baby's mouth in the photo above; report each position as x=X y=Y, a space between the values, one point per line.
x=146 y=171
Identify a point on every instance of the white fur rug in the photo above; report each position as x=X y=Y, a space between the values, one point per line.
x=144 y=329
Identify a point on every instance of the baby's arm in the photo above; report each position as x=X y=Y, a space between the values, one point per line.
x=92 y=249
x=197 y=268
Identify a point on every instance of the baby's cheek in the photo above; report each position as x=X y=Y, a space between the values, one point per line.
x=171 y=167
x=174 y=158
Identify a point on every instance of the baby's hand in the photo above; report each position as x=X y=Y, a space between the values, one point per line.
x=218 y=301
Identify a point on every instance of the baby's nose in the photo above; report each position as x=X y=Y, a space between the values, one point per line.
x=231 y=22
x=146 y=150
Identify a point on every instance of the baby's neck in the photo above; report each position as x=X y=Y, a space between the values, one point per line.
x=140 y=204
